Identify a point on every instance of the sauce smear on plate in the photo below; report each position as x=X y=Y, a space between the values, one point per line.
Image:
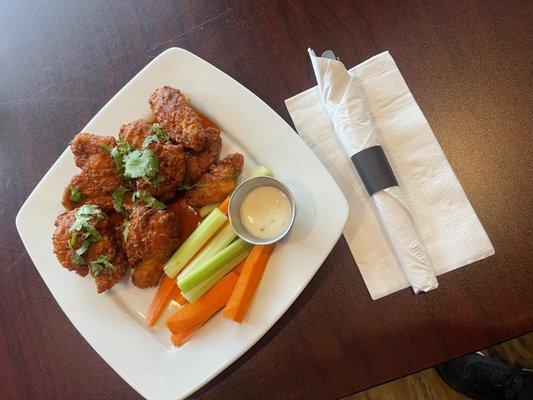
x=206 y=122
x=189 y=217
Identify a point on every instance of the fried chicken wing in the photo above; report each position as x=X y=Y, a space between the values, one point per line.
x=96 y=187
x=106 y=246
x=153 y=237
x=106 y=278
x=60 y=240
x=135 y=132
x=88 y=152
x=198 y=163
x=178 y=118
x=171 y=159
x=218 y=183
x=98 y=177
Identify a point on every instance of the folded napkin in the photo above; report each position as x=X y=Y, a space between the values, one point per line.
x=448 y=227
x=347 y=108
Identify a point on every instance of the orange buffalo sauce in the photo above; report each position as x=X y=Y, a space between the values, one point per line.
x=115 y=219
x=206 y=122
x=189 y=217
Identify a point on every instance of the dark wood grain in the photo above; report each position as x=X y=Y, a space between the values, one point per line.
x=467 y=63
x=428 y=385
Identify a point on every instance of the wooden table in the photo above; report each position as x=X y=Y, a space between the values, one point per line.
x=468 y=65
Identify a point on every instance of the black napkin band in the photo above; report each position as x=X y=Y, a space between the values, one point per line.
x=374 y=169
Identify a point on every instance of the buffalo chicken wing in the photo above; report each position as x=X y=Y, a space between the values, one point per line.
x=135 y=132
x=153 y=236
x=198 y=163
x=170 y=157
x=178 y=118
x=218 y=183
x=105 y=247
x=98 y=177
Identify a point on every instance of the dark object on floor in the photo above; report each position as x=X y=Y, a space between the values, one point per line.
x=483 y=378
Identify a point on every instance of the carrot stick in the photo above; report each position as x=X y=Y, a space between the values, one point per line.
x=179 y=338
x=161 y=299
x=193 y=314
x=224 y=205
x=177 y=296
x=247 y=284
x=238 y=268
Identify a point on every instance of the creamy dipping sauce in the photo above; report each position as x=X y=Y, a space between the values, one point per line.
x=266 y=212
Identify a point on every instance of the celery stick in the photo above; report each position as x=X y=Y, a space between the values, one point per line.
x=212 y=265
x=261 y=171
x=207 y=209
x=221 y=240
x=194 y=242
x=198 y=291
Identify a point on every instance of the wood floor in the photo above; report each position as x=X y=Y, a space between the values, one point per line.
x=427 y=385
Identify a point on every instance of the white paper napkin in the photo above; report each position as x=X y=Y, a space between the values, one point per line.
x=344 y=101
x=448 y=226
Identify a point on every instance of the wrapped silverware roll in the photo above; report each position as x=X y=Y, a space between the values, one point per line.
x=345 y=104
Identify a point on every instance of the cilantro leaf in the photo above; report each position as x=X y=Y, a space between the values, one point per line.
x=117 y=153
x=158 y=136
x=126 y=230
x=150 y=139
x=84 y=215
x=160 y=133
x=75 y=194
x=91 y=234
x=118 y=200
x=77 y=257
x=73 y=240
x=132 y=163
x=101 y=263
x=142 y=164
x=105 y=147
x=148 y=199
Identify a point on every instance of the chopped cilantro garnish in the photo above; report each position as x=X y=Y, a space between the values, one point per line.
x=158 y=136
x=117 y=153
x=160 y=133
x=77 y=257
x=75 y=194
x=142 y=164
x=73 y=240
x=91 y=233
x=105 y=147
x=101 y=263
x=84 y=218
x=148 y=199
x=84 y=215
x=118 y=196
x=132 y=163
x=150 y=139
x=126 y=230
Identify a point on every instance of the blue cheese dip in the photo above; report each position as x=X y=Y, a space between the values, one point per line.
x=266 y=212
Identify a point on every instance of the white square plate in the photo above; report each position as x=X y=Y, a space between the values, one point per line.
x=144 y=357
